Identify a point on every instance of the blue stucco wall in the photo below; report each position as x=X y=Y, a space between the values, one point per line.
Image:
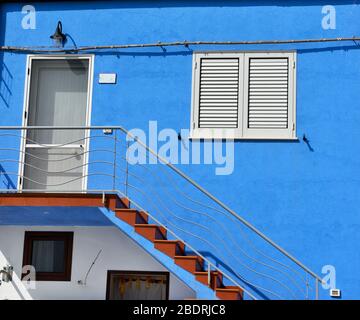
x=306 y=200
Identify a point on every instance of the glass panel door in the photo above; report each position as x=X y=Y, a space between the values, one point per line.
x=55 y=159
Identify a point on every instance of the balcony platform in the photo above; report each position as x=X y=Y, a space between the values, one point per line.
x=19 y=199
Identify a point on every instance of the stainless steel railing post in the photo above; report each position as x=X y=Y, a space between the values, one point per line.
x=114 y=166
x=127 y=169
x=316 y=289
x=209 y=274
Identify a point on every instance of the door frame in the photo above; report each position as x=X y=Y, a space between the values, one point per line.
x=28 y=70
x=124 y=272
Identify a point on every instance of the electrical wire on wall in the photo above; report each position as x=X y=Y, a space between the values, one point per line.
x=44 y=49
x=83 y=282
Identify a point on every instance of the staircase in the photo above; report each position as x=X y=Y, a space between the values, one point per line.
x=175 y=249
x=184 y=210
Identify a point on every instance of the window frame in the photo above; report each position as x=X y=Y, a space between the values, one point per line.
x=67 y=237
x=242 y=132
x=111 y=273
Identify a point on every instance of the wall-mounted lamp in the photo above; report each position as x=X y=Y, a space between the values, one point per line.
x=58 y=36
x=7 y=272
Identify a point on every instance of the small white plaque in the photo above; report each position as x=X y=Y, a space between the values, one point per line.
x=109 y=78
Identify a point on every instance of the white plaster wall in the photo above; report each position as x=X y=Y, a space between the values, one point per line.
x=118 y=253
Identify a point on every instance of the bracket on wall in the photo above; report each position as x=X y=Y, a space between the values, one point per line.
x=307 y=141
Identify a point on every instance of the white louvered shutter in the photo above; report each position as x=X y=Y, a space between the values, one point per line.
x=268 y=93
x=217 y=98
x=270 y=96
x=219 y=88
x=241 y=95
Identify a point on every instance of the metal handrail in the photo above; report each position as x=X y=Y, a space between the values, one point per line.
x=223 y=229
x=188 y=179
x=127 y=173
x=178 y=190
x=150 y=200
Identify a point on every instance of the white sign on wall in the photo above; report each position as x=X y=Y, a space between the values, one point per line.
x=107 y=78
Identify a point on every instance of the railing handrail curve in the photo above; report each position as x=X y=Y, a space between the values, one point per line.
x=184 y=176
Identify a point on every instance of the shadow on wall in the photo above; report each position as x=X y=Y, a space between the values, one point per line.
x=5 y=181
x=5 y=84
x=221 y=265
x=5 y=75
x=5 y=95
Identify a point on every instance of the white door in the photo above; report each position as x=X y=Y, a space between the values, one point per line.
x=58 y=96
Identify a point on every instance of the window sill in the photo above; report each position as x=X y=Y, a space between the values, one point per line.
x=295 y=139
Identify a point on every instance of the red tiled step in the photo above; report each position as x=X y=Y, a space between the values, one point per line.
x=151 y=231
x=125 y=202
x=229 y=293
x=215 y=278
x=189 y=263
x=171 y=248
x=132 y=216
